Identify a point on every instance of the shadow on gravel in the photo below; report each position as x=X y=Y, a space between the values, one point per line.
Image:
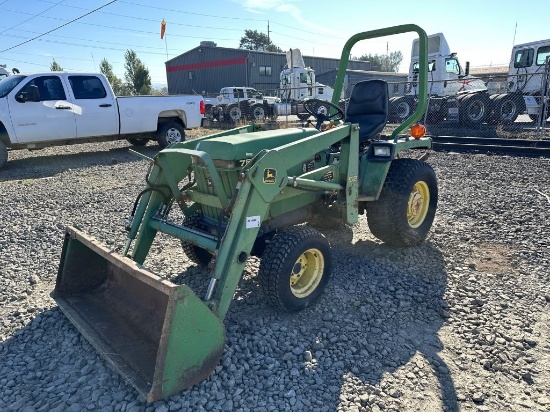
x=37 y=167
x=381 y=313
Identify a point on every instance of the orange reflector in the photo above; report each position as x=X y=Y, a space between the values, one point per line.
x=418 y=130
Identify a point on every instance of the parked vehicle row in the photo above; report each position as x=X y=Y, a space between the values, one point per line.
x=60 y=108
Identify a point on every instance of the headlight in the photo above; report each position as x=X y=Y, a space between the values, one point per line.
x=383 y=151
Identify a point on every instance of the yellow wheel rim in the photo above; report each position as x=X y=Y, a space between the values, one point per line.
x=307 y=273
x=419 y=201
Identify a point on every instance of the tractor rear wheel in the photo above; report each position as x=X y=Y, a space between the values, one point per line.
x=404 y=213
x=295 y=268
x=195 y=254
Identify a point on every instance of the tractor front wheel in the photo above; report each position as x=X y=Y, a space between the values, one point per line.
x=404 y=213
x=295 y=268
x=196 y=254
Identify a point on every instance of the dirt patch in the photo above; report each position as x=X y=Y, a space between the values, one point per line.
x=491 y=258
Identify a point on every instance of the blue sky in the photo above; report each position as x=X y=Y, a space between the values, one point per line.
x=481 y=32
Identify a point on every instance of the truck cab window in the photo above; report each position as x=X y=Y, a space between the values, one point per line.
x=452 y=66
x=524 y=58
x=87 y=87
x=49 y=87
x=542 y=54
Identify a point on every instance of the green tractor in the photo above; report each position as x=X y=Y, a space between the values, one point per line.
x=246 y=192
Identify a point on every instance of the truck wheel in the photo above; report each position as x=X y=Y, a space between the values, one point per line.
x=195 y=254
x=508 y=108
x=473 y=109
x=295 y=268
x=257 y=112
x=401 y=108
x=405 y=211
x=233 y=113
x=169 y=133
x=137 y=141
x=3 y=155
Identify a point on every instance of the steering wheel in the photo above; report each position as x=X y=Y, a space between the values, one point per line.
x=320 y=109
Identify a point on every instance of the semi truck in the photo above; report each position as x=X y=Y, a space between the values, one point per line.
x=456 y=96
x=3 y=72
x=297 y=84
x=529 y=75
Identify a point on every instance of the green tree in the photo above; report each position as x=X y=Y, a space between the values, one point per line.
x=254 y=40
x=163 y=91
x=384 y=62
x=136 y=75
x=119 y=88
x=55 y=67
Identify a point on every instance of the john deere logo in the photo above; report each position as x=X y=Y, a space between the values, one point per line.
x=270 y=175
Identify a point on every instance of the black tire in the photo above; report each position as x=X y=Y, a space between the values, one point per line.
x=492 y=115
x=195 y=253
x=233 y=113
x=3 y=155
x=258 y=112
x=473 y=109
x=508 y=108
x=169 y=133
x=295 y=268
x=401 y=108
x=134 y=141
x=261 y=243
x=410 y=184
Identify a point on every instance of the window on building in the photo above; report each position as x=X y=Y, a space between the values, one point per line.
x=524 y=58
x=191 y=74
x=265 y=70
x=395 y=88
x=542 y=54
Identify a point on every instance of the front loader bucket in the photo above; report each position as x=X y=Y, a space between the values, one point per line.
x=159 y=336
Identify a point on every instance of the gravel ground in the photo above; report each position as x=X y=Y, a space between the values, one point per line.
x=460 y=323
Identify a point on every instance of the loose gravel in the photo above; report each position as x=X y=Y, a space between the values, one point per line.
x=460 y=323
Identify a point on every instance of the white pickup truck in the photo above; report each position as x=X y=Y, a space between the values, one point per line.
x=60 y=108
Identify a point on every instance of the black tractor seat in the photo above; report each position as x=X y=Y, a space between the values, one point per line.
x=368 y=107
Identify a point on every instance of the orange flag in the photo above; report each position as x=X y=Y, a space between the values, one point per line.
x=162 y=28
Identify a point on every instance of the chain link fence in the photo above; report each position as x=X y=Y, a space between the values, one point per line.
x=489 y=112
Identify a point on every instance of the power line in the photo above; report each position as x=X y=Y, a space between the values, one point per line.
x=198 y=14
x=63 y=25
x=30 y=18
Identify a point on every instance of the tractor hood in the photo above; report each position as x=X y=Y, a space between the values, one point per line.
x=247 y=145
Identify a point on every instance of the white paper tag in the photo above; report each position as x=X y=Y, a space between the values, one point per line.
x=252 y=221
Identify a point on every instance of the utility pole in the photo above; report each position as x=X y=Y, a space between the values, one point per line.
x=268 y=31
